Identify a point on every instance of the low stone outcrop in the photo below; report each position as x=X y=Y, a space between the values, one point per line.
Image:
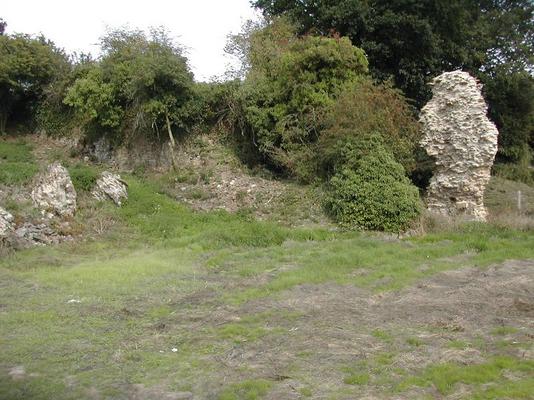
x=110 y=186
x=36 y=234
x=463 y=141
x=6 y=223
x=54 y=193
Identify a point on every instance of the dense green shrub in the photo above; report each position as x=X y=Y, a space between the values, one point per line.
x=290 y=84
x=53 y=116
x=213 y=102
x=370 y=189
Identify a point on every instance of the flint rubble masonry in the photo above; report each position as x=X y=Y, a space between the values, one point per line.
x=463 y=141
x=6 y=223
x=110 y=186
x=54 y=193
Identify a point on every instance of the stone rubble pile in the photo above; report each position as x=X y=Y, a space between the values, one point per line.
x=463 y=141
x=55 y=197
x=30 y=234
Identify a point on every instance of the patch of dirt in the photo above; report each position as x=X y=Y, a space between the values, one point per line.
x=336 y=326
x=212 y=178
x=47 y=149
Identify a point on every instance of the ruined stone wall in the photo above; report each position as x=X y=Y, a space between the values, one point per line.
x=463 y=141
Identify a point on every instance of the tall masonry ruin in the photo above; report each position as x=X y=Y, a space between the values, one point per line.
x=463 y=142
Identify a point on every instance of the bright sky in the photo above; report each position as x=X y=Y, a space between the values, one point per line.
x=199 y=25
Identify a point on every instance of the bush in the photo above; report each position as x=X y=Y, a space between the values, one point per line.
x=370 y=190
x=364 y=108
x=27 y=66
x=213 y=102
x=53 y=116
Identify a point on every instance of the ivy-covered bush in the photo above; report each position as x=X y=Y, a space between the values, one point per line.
x=292 y=81
x=370 y=190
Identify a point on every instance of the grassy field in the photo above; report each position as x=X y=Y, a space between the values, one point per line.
x=171 y=303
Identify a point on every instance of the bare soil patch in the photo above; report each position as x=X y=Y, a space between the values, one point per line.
x=396 y=333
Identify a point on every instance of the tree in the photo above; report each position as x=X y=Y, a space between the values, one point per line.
x=511 y=98
x=238 y=48
x=366 y=109
x=413 y=41
x=27 y=66
x=142 y=85
x=291 y=83
x=3 y=26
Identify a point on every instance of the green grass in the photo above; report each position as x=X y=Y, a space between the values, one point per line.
x=458 y=344
x=17 y=166
x=368 y=261
x=357 y=379
x=519 y=389
x=382 y=335
x=134 y=286
x=503 y=330
x=83 y=176
x=378 y=371
x=415 y=342
x=157 y=218
x=444 y=377
x=247 y=390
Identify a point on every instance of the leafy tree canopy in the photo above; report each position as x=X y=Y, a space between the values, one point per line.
x=142 y=84
x=290 y=84
x=27 y=66
x=413 y=40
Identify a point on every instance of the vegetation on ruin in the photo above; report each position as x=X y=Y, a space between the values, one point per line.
x=286 y=251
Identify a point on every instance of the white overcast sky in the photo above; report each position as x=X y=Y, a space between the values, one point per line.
x=200 y=25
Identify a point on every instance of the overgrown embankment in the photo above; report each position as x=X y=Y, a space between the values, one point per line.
x=160 y=300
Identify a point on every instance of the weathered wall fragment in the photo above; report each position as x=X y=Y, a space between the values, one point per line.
x=6 y=223
x=463 y=141
x=110 y=186
x=54 y=193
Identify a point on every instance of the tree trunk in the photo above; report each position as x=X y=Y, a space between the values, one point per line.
x=172 y=143
x=3 y=123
